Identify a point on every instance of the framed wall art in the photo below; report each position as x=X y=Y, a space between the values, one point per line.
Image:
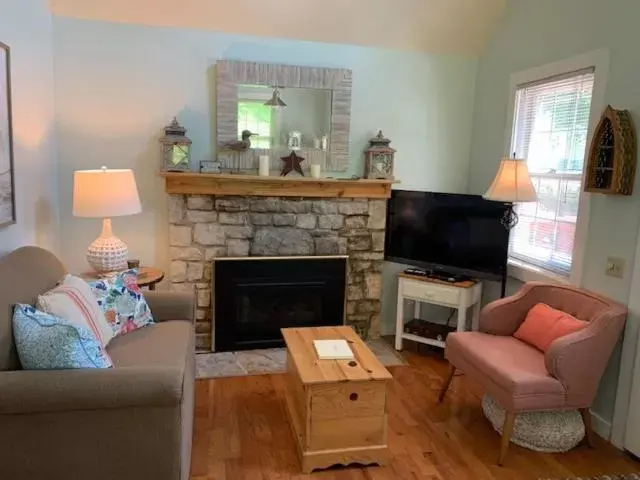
x=7 y=188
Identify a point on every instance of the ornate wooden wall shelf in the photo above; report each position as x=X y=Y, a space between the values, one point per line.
x=229 y=184
x=611 y=167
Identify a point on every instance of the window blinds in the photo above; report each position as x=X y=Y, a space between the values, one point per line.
x=551 y=122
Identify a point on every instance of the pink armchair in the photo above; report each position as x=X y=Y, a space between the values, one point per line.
x=522 y=378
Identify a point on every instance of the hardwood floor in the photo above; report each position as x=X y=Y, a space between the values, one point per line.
x=241 y=432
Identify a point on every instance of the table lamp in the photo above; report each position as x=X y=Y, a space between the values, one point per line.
x=103 y=194
x=512 y=184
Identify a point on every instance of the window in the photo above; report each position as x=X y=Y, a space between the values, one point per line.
x=550 y=130
x=256 y=117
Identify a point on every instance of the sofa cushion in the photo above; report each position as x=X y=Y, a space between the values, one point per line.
x=122 y=302
x=164 y=344
x=152 y=367
x=513 y=372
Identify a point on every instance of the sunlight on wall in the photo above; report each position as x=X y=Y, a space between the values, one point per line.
x=26 y=28
x=434 y=26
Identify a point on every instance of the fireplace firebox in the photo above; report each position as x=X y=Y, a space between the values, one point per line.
x=254 y=297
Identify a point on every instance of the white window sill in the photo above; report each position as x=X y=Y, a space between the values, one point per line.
x=530 y=273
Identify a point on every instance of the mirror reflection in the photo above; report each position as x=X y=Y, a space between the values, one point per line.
x=290 y=118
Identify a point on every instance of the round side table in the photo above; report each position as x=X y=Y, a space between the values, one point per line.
x=147 y=277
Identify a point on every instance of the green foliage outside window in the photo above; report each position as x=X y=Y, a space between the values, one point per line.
x=256 y=117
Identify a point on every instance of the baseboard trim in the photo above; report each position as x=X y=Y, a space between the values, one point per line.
x=601 y=426
x=387 y=331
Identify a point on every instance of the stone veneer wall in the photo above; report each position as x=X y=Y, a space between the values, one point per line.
x=203 y=227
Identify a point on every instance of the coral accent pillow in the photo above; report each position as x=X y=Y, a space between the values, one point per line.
x=544 y=324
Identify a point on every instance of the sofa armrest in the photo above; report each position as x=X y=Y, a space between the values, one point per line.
x=579 y=359
x=171 y=305
x=36 y=391
x=504 y=316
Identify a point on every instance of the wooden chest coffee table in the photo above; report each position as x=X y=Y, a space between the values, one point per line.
x=337 y=408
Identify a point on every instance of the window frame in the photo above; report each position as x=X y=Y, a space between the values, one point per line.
x=599 y=61
x=275 y=119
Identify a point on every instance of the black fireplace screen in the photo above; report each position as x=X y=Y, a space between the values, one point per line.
x=254 y=298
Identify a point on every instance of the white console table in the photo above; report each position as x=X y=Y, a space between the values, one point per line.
x=461 y=296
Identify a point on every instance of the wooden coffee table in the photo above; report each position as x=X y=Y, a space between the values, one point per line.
x=337 y=408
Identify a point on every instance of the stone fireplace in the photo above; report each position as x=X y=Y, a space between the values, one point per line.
x=206 y=227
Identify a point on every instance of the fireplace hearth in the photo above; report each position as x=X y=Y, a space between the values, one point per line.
x=254 y=297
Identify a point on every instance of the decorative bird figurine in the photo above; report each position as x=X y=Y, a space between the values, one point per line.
x=240 y=145
x=237 y=148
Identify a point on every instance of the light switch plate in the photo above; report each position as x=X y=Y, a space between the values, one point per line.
x=614 y=267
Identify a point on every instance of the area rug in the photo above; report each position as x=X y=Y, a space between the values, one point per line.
x=547 y=431
x=272 y=360
x=630 y=476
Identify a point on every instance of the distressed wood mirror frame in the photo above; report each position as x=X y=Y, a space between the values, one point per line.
x=230 y=74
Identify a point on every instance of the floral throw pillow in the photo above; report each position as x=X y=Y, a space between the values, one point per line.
x=122 y=302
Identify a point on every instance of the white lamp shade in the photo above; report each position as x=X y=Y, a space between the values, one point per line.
x=105 y=193
x=512 y=183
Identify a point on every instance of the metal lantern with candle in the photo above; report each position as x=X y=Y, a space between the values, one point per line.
x=176 y=147
x=379 y=158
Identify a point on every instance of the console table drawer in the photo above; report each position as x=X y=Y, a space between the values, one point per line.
x=431 y=292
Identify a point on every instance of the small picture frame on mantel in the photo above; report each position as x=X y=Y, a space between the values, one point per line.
x=210 y=166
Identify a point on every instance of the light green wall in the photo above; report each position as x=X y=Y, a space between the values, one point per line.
x=25 y=26
x=535 y=33
x=117 y=85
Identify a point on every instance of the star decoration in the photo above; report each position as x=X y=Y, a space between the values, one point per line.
x=291 y=162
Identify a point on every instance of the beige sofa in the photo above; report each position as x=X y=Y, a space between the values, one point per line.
x=130 y=422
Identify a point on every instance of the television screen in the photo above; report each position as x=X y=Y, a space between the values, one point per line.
x=451 y=232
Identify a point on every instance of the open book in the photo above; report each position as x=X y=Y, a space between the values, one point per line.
x=333 y=350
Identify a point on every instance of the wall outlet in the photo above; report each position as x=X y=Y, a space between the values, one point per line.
x=615 y=267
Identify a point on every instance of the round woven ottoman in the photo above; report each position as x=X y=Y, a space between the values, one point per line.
x=550 y=431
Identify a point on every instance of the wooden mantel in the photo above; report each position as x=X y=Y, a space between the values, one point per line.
x=231 y=184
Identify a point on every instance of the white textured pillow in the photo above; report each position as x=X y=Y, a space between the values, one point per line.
x=73 y=301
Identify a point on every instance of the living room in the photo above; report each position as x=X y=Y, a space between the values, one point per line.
x=95 y=84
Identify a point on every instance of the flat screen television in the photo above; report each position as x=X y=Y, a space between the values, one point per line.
x=458 y=234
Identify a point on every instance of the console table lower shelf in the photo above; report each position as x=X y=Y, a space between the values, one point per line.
x=337 y=408
x=459 y=296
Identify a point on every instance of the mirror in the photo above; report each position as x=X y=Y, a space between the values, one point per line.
x=317 y=114
x=301 y=122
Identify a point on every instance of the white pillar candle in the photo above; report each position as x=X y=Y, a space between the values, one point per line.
x=263 y=169
x=315 y=171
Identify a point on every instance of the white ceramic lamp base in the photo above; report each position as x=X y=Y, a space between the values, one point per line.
x=107 y=254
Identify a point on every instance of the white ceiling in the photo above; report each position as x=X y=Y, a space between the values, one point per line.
x=437 y=26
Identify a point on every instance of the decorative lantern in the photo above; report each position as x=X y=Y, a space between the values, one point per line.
x=379 y=158
x=175 y=147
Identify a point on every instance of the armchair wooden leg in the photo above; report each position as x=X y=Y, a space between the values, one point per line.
x=588 y=430
x=507 y=430
x=447 y=382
